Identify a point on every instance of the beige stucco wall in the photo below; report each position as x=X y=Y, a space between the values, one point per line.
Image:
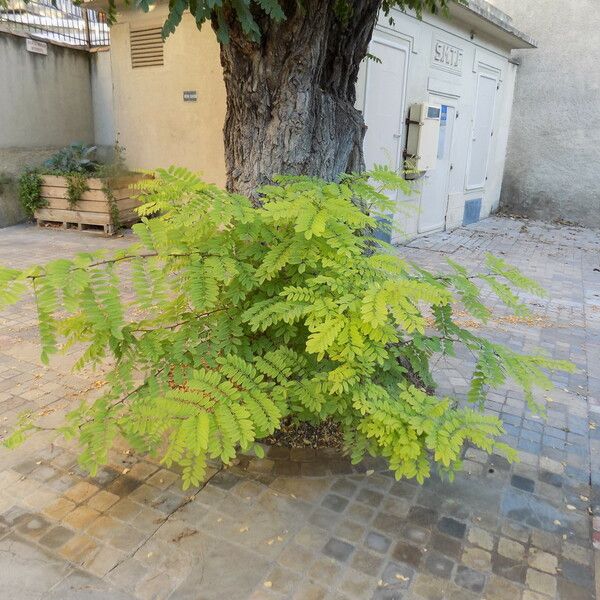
x=156 y=126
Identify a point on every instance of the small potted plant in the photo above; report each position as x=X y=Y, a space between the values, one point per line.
x=74 y=189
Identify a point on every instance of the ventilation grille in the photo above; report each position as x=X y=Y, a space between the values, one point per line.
x=146 y=47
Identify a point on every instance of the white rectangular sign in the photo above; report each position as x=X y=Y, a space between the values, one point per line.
x=36 y=46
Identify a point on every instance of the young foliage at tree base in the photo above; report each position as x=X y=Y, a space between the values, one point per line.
x=241 y=316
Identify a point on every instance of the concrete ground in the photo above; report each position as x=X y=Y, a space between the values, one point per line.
x=292 y=526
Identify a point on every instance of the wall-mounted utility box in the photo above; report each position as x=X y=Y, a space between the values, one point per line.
x=423 y=136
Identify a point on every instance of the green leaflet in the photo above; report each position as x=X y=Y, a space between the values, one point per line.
x=224 y=319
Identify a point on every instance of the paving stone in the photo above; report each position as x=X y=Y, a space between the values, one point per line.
x=142 y=470
x=395 y=506
x=551 y=478
x=430 y=587
x=338 y=549
x=370 y=497
x=334 y=502
x=289 y=468
x=384 y=593
x=477 y=559
x=163 y=479
x=310 y=591
x=168 y=502
x=282 y=580
x=514 y=570
x=297 y=557
x=452 y=527
x=360 y=513
x=81 y=491
x=43 y=473
x=325 y=570
x=543 y=561
x=56 y=537
x=544 y=540
x=498 y=588
x=477 y=455
x=522 y=483
x=324 y=518
x=448 y=546
x=415 y=534
x=402 y=489
x=377 y=542
x=357 y=585
x=570 y=591
x=224 y=480
x=439 y=565
x=510 y=549
x=33 y=526
x=349 y=530
x=576 y=553
x=79 y=548
x=102 y=501
x=81 y=517
x=541 y=582
x=480 y=537
x=125 y=510
x=344 y=487
x=59 y=508
x=577 y=573
x=423 y=516
x=516 y=531
x=312 y=537
x=123 y=485
x=469 y=579
x=367 y=562
x=397 y=576
x=389 y=524
x=407 y=554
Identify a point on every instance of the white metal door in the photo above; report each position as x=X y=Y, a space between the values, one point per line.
x=434 y=195
x=483 y=122
x=384 y=103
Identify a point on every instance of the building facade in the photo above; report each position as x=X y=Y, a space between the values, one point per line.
x=168 y=103
x=553 y=159
x=461 y=64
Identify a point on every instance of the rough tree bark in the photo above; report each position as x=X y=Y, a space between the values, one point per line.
x=290 y=97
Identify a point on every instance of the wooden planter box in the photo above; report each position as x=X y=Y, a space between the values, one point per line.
x=93 y=209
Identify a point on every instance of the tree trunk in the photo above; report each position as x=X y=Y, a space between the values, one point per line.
x=290 y=97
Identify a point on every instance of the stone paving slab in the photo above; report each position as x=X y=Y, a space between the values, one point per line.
x=300 y=526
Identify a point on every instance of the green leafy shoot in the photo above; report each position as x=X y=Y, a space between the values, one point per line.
x=239 y=316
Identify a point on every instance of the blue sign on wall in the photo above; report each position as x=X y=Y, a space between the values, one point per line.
x=472 y=211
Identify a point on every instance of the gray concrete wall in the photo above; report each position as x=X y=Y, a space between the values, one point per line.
x=44 y=100
x=102 y=98
x=45 y=104
x=553 y=163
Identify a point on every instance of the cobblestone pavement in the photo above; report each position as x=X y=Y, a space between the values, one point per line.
x=297 y=525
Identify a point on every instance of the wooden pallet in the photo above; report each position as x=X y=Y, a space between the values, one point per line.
x=106 y=229
x=92 y=212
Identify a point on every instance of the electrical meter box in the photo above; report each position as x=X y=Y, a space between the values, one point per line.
x=423 y=136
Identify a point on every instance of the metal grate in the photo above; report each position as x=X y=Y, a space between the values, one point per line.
x=146 y=47
x=57 y=21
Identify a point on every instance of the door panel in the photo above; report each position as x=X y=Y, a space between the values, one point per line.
x=384 y=104
x=384 y=112
x=434 y=194
x=483 y=121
